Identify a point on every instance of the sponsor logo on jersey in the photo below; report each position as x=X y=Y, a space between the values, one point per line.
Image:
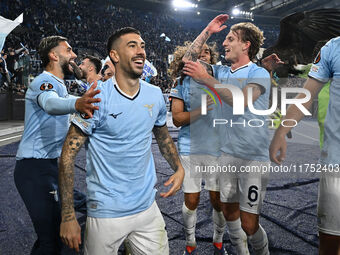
x=315 y=68
x=81 y=121
x=115 y=115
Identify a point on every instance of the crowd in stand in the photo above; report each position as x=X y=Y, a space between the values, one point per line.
x=88 y=24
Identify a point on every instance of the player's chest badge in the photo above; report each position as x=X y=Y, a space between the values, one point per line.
x=149 y=107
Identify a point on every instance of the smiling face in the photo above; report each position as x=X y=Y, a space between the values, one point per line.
x=130 y=55
x=65 y=56
x=85 y=67
x=233 y=46
x=205 y=54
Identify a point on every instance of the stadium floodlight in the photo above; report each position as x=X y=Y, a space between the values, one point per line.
x=183 y=4
x=236 y=11
x=198 y=13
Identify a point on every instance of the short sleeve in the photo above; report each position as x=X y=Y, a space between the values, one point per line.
x=320 y=69
x=161 y=118
x=86 y=124
x=44 y=85
x=177 y=90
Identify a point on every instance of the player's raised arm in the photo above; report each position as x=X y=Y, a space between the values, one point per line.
x=69 y=228
x=215 y=26
x=169 y=152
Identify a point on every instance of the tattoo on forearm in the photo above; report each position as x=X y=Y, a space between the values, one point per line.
x=196 y=47
x=167 y=146
x=73 y=143
x=207 y=67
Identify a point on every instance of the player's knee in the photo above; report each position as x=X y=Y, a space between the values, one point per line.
x=231 y=212
x=191 y=202
x=216 y=203
x=249 y=227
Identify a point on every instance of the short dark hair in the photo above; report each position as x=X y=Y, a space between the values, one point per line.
x=117 y=34
x=46 y=45
x=95 y=61
x=104 y=69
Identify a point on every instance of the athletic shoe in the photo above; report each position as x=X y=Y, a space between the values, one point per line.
x=219 y=249
x=190 y=250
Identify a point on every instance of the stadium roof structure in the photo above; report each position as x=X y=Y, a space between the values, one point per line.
x=258 y=8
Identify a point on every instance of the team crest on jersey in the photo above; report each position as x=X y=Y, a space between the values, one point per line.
x=317 y=58
x=46 y=86
x=149 y=106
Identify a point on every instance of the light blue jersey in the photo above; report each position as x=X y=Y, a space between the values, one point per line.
x=240 y=138
x=326 y=66
x=199 y=137
x=120 y=168
x=44 y=134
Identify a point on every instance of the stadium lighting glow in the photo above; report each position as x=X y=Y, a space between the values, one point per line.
x=198 y=13
x=183 y=4
x=236 y=11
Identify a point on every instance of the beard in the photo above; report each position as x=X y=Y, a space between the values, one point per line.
x=65 y=67
x=83 y=74
x=135 y=75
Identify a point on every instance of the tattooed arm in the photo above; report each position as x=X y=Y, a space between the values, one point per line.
x=69 y=227
x=215 y=26
x=169 y=152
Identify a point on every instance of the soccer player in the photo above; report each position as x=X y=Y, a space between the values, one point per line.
x=90 y=68
x=120 y=167
x=242 y=144
x=47 y=108
x=186 y=113
x=108 y=70
x=326 y=67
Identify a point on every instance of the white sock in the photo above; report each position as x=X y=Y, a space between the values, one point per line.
x=259 y=242
x=238 y=237
x=189 y=219
x=219 y=226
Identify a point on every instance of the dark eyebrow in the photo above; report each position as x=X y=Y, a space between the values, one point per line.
x=134 y=42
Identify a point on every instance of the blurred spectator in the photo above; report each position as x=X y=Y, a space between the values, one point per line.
x=88 y=30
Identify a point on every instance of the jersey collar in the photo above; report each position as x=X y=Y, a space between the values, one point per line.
x=241 y=67
x=123 y=93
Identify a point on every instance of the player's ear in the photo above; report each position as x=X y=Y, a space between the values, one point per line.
x=114 y=56
x=246 y=45
x=53 y=55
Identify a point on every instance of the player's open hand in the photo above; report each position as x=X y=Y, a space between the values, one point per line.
x=70 y=234
x=278 y=145
x=216 y=25
x=176 y=180
x=85 y=103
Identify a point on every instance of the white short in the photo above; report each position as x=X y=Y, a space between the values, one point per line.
x=144 y=232
x=240 y=186
x=194 y=167
x=329 y=204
